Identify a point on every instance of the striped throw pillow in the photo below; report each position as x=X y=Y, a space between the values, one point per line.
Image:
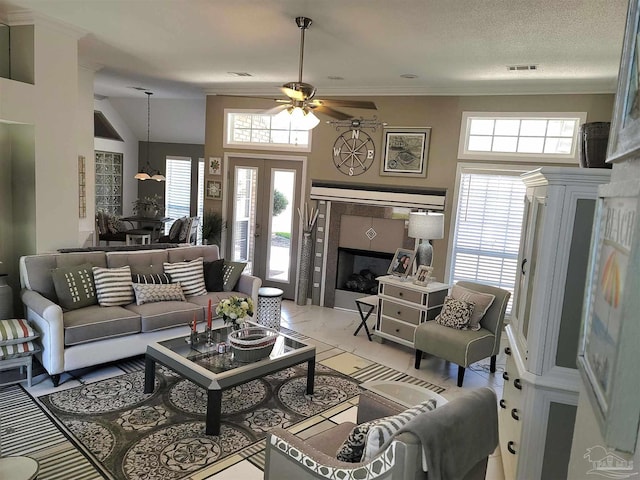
x=18 y=350
x=14 y=331
x=188 y=274
x=382 y=432
x=151 y=278
x=148 y=293
x=113 y=286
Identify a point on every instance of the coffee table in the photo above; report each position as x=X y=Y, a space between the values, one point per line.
x=216 y=372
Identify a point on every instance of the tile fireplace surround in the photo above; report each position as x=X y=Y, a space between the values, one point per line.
x=371 y=214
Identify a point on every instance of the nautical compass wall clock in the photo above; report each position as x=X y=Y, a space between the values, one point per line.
x=353 y=152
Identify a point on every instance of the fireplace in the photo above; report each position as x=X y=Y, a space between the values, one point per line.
x=357 y=270
x=359 y=228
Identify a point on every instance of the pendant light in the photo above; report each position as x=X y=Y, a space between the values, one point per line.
x=148 y=173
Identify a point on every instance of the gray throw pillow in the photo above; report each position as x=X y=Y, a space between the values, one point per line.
x=75 y=286
x=232 y=272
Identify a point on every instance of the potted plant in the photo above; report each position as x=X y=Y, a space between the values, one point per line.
x=148 y=206
x=212 y=227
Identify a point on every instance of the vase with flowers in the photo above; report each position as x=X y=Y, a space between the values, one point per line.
x=234 y=310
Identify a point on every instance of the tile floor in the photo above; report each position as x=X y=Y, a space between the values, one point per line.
x=332 y=328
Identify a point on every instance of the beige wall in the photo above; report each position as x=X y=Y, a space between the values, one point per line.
x=443 y=114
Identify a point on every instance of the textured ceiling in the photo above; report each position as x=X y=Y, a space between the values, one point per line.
x=186 y=48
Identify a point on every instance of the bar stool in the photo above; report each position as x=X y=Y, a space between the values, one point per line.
x=270 y=307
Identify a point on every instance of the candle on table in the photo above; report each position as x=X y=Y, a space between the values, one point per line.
x=209 y=315
x=194 y=323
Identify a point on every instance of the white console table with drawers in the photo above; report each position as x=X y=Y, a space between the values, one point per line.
x=405 y=305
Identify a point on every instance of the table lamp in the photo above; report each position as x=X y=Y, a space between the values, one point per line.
x=425 y=226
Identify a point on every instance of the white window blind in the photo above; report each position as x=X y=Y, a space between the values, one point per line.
x=178 y=189
x=200 y=198
x=487 y=229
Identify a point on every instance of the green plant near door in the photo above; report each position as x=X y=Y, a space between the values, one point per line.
x=212 y=227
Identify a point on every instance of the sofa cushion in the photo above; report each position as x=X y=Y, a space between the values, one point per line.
x=98 y=323
x=214 y=275
x=74 y=286
x=140 y=261
x=161 y=315
x=15 y=330
x=481 y=301
x=188 y=253
x=189 y=274
x=232 y=272
x=150 y=293
x=113 y=286
x=455 y=313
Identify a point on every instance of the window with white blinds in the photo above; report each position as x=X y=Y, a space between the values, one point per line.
x=487 y=228
x=177 y=199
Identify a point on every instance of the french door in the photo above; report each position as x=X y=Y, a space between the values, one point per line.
x=263 y=222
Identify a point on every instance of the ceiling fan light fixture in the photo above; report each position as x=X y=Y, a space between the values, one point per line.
x=303 y=119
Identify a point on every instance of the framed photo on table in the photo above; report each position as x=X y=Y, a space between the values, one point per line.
x=608 y=353
x=624 y=136
x=402 y=262
x=405 y=152
x=423 y=275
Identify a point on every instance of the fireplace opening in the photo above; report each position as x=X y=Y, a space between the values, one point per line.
x=357 y=270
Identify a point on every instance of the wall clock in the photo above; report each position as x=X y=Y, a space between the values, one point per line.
x=353 y=152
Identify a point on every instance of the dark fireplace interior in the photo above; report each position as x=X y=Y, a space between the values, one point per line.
x=357 y=269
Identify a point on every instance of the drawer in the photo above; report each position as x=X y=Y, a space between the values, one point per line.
x=401 y=312
x=398 y=329
x=403 y=294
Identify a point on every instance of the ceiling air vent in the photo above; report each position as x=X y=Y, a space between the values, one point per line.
x=240 y=74
x=102 y=128
x=522 y=68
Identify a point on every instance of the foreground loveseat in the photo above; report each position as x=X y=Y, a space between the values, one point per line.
x=95 y=334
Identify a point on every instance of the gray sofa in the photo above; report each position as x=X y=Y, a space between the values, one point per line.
x=94 y=335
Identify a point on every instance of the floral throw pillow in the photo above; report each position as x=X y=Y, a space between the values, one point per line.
x=352 y=448
x=455 y=313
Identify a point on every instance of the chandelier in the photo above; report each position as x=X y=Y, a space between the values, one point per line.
x=147 y=172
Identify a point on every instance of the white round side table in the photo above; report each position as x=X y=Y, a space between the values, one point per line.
x=18 y=468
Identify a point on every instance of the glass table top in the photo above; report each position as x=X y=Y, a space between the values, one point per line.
x=208 y=356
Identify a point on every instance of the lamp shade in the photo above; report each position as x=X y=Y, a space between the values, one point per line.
x=426 y=225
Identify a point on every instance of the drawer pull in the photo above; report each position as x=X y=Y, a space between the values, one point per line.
x=514 y=414
x=517 y=384
x=510 y=447
x=400 y=294
x=397 y=330
x=399 y=312
x=502 y=403
x=507 y=350
x=505 y=376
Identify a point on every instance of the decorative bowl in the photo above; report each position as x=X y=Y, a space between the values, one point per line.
x=252 y=343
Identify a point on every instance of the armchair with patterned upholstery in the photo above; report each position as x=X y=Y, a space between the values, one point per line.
x=452 y=441
x=466 y=346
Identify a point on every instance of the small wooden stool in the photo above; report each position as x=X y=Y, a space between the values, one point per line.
x=370 y=305
x=143 y=238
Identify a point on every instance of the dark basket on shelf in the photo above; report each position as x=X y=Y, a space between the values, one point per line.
x=592 y=144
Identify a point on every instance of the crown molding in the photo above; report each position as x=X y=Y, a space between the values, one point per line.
x=28 y=17
x=461 y=89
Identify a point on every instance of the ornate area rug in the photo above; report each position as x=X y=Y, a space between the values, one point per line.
x=137 y=436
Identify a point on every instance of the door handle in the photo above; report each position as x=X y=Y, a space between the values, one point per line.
x=510 y=447
x=524 y=261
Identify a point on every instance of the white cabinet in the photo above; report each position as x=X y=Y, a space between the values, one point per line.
x=404 y=305
x=540 y=393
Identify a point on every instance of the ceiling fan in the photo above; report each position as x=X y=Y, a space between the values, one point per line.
x=301 y=103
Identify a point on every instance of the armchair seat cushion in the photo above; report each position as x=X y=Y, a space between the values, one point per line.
x=462 y=347
x=330 y=440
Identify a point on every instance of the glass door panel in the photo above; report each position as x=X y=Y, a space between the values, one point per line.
x=282 y=192
x=243 y=241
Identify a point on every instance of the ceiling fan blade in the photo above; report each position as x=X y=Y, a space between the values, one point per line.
x=330 y=112
x=275 y=110
x=346 y=104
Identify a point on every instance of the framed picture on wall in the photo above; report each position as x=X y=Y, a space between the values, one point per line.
x=610 y=328
x=214 y=189
x=405 y=152
x=624 y=136
x=215 y=166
